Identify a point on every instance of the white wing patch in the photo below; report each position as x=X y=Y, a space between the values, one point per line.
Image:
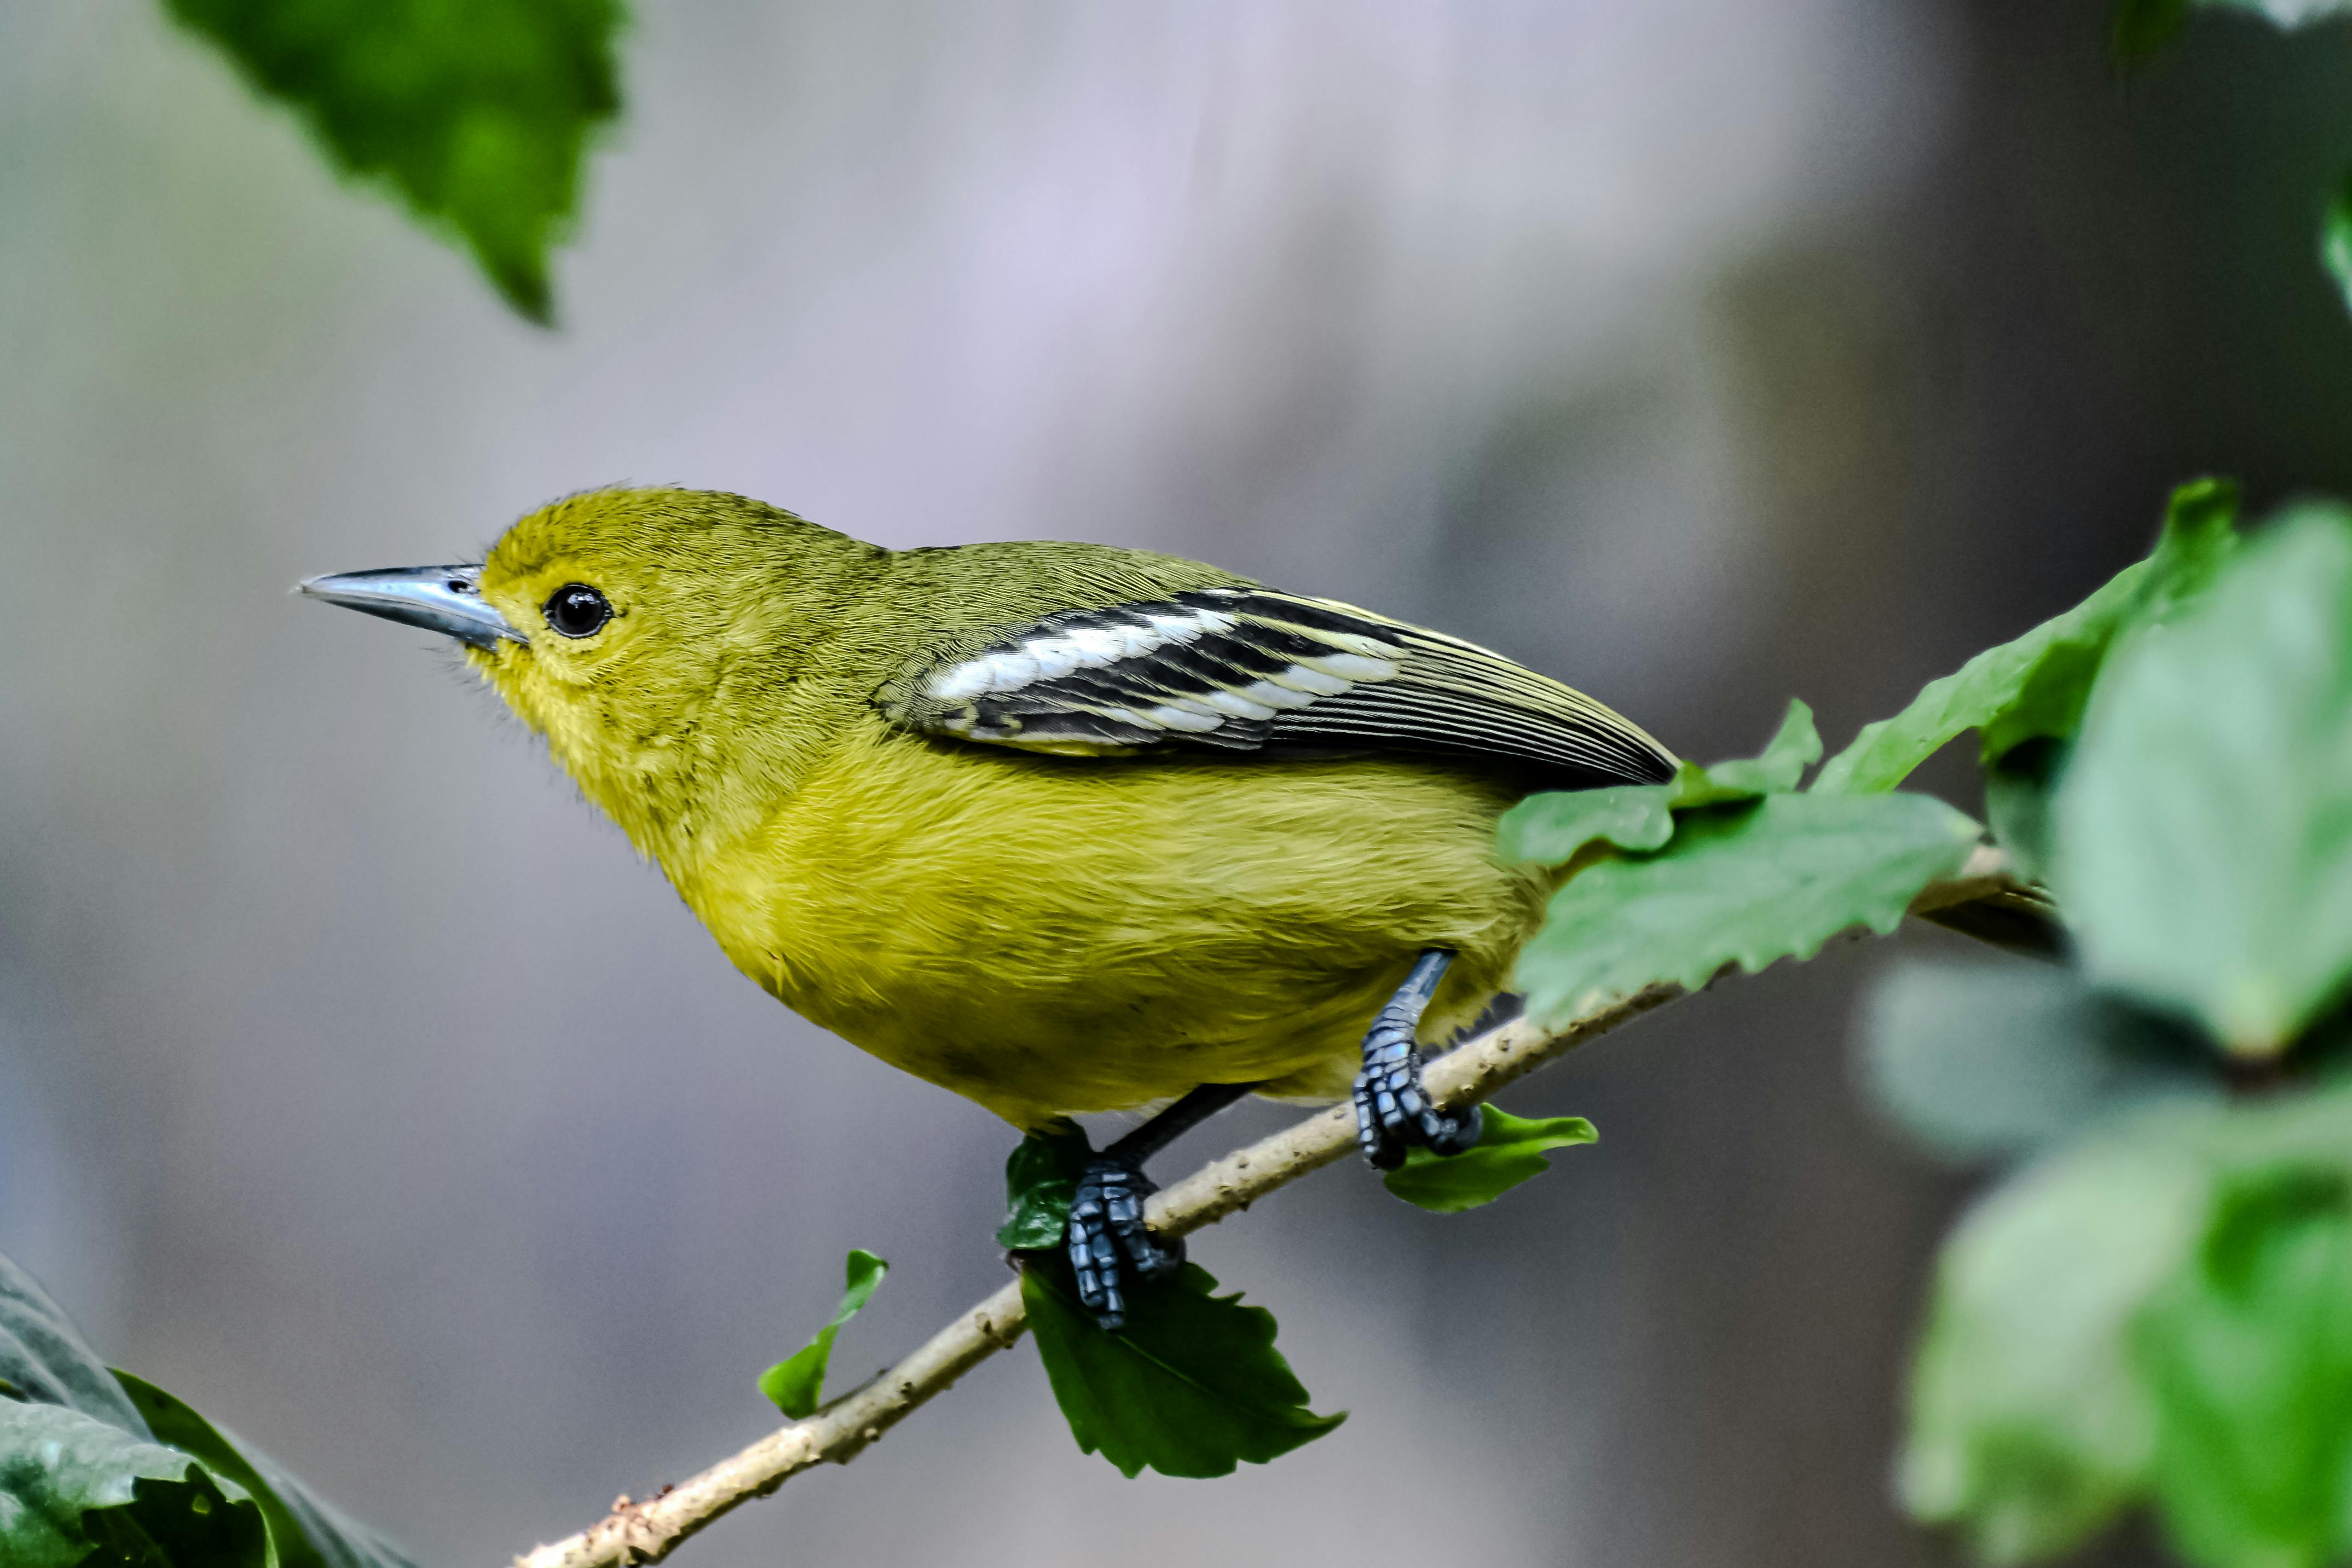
x=1050 y=655
x=1122 y=646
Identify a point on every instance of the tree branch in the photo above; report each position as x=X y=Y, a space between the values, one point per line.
x=649 y=1530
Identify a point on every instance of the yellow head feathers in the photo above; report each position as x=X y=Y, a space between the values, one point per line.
x=661 y=627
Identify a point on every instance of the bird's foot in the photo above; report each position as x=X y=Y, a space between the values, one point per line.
x=1395 y=1112
x=1110 y=1247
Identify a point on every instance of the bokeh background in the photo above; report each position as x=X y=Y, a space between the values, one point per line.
x=358 y=1084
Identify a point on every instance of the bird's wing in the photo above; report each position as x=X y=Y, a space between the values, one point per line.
x=1251 y=670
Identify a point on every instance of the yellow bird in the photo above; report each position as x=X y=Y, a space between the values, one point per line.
x=1061 y=826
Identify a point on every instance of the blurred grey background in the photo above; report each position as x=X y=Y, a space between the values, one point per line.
x=358 y=1084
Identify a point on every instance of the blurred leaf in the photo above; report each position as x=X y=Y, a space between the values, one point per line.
x=2027 y=1426
x=2249 y=1357
x=2035 y=685
x=796 y=1384
x=1742 y=885
x=2336 y=238
x=73 y=1489
x=2018 y=789
x=1192 y=1386
x=2285 y=13
x=1985 y=1059
x=2204 y=844
x=477 y=113
x=1510 y=1150
x=2162 y=1310
x=2137 y=30
x=1551 y=829
x=44 y=1358
x=1040 y=1178
x=304 y=1532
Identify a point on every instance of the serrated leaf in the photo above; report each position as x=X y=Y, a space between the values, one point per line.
x=2035 y=685
x=1041 y=1176
x=1988 y=1060
x=2248 y=1355
x=73 y=1489
x=2029 y=1428
x=477 y=114
x=304 y=1530
x=796 y=1384
x=1192 y=1386
x=1551 y=829
x=1794 y=747
x=1744 y=885
x=2204 y=827
x=1510 y=1150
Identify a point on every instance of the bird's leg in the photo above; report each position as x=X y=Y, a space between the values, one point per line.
x=1393 y=1111
x=1109 y=1245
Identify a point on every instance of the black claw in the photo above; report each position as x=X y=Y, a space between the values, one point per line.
x=1110 y=1247
x=1394 y=1109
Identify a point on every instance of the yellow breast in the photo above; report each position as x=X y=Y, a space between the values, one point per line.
x=1053 y=936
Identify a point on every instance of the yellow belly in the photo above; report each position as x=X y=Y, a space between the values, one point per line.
x=1050 y=935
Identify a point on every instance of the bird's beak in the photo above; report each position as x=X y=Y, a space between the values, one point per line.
x=445 y=599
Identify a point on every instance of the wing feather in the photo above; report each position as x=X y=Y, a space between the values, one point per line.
x=1253 y=670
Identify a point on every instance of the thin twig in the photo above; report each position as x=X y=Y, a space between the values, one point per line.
x=649 y=1530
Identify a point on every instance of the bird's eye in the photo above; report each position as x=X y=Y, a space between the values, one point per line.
x=576 y=609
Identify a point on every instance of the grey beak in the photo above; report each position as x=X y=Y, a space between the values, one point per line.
x=445 y=599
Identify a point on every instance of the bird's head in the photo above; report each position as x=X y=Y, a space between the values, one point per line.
x=621 y=624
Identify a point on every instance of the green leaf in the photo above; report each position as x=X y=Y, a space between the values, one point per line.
x=2287 y=14
x=2162 y=1309
x=2249 y=1356
x=2336 y=238
x=2049 y=702
x=476 y=114
x=2035 y=685
x=2017 y=788
x=1040 y=1178
x=44 y=1358
x=1746 y=885
x=1553 y=828
x=2029 y=1428
x=2204 y=827
x=1986 y=1059
x=45 y=1363
x=2138 y=30
x=1192 y=1386
x=1794 y=747
x=304 y=1532
x=73 y=1489
x=2197 y=544
x=1509 y=1150
x=796 y=1384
